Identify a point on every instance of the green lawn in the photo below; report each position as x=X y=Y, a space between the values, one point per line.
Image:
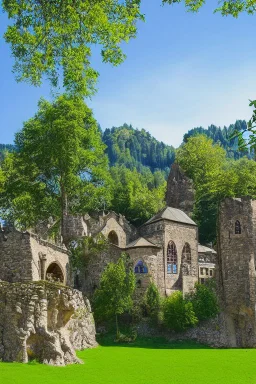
x=143 y=363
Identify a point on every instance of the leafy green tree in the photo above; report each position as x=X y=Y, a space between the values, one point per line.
x=204 y=301
x=59 y=166
x=152 y=301
x=224 y=137
x=226 y=7
x=178 y=313
x=215 y=177
x=132 y=197
x=55 y=38
x=114 y=296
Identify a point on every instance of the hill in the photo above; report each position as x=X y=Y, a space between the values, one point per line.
x=136 y=148
x=223 y=137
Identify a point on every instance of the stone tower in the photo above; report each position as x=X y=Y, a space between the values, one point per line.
x=236 y=268
x=180 y=192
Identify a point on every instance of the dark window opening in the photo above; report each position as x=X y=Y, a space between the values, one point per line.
x=172 y=259
x=113 y=238
x=54 y=273
x=237 y=227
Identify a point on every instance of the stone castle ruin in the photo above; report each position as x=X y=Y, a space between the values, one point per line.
x=37 y=277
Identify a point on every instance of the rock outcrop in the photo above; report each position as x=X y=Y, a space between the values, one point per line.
x=180 y=192
x=44 y=321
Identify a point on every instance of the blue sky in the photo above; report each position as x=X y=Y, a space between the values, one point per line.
x=183 y=70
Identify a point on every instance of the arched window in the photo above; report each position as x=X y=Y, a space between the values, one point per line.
x=237 y=227
x=140 y=267
x=172 y=259
x=186 y=254
x=54 y=273
x=113 y=238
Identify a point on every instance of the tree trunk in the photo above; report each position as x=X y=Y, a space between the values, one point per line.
x=64 y=209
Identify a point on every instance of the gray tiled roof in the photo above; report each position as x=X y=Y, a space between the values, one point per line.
x=141 y=242
x=172 y=214
x=203 y=249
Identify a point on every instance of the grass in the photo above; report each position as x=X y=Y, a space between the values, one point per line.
x=147 y=361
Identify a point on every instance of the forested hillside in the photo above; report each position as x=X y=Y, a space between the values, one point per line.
x=222 y=136
x=4 y=148
x=136 y=148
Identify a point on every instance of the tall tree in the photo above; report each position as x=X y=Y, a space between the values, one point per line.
x=215 y=177
x=114 y=296
x=53 y=38
x=59 y=165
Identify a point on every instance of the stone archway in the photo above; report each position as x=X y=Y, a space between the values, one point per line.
x=113 y=238
x=54 y=273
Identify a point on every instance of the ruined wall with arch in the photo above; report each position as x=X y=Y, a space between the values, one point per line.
x=113 y=226
x=22 y=256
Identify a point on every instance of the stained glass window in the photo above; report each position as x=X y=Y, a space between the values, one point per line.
x=172 y=259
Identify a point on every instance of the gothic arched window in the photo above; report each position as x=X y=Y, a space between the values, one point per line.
x=140 y=267
x=186 y=254
x=237 y=227
x=172 y=259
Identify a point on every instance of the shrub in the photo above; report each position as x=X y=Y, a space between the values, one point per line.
x=204 y=302
x=152 y=301
x=178 y=313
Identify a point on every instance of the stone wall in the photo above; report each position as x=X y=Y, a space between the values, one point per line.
x=52 y=255
x=44 y=321
x=15 y=256
x=112 y=225
x=152 y=257
x=187 y=275
x=180 y=192
x=89 y=277
x=21 y=253
x=236 y=267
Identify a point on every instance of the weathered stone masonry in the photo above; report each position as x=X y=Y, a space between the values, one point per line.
x=43 y=321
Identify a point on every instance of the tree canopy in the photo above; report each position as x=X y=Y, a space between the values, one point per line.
x=136 y=148
x=215 y=177
x=59 y=165
x=225 y=7
x=114 y=296
x=55 y=38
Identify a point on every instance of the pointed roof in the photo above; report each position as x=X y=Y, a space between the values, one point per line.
x=171 y=214
x=141 y=242
x=203 y=249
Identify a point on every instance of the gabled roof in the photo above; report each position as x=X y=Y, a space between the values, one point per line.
x=203 y=249
x=141 y=242
x=171 y=214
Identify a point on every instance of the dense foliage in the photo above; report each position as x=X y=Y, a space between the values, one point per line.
x=178 y=313
x=215 y=177
x=4 y=149
x=224 y=137
x=204 y=301
x=135 y=195
x=152 y=302
x=55 y=38
x=114 y=295
x=136 y=148
x=59 y=166
x=225 y=7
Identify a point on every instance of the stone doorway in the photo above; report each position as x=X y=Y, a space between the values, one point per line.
x=54 y=273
